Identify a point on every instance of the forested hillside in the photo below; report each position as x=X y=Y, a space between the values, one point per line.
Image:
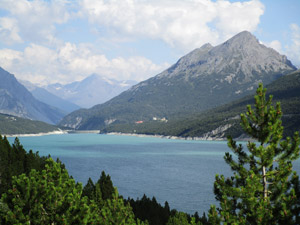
x=15 y=125
x=224 y=120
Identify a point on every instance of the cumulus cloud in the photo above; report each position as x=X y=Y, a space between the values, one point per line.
x=71 y=62
x=183 y=25
x=186 y=24
x=291 y=50
x=9 y=31
x=35 y=20
x=276 y=45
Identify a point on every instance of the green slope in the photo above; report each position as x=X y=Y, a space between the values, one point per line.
x=224 y=120
x=16 y=125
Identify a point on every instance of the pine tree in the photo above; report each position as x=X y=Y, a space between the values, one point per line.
x=263 y=189
x=14 y=160
x=106 y=186
x=47 y=197
x=181 y=218
x=115 y=211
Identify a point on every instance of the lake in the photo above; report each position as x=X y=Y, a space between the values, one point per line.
x=178 y=171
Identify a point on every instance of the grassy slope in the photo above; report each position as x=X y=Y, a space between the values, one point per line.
x=16 y=125
x=286 y=90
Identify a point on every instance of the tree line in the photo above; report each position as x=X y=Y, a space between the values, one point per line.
x=263 y=189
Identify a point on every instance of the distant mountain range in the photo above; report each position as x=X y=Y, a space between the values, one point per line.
x=43 y=95
x=203 y=79
x=22 y=99
x=16 y=100
x=224 y=120
x=91 y=91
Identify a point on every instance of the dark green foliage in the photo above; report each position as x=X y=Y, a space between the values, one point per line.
x=115 y=211
x=150 y=210
x=101 y=191
x=14 y=160
x=109 y=204
x=182 y=219
x=286 y=90
x=47 y=197
x=16 y=125
x=264 y=189
x=89 y=190
x=106 y=186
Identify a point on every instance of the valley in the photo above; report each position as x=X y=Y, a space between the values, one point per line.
x=201 y=95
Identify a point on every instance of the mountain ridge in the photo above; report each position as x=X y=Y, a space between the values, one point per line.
x=204 y=78
x=92 y=90
x=224 y=120
x=43 y=95
x=16 y=100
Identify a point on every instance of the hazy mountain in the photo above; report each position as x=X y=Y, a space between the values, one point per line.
x=225 y=120
x=91 y=91
x=16 y=100
x=203 y=79
x=45 y=96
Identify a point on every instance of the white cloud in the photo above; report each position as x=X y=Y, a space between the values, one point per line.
x=276 y=45
x=186 y=24
x=235 y=17
x=183 y=25
x=35 y=20
x=71 y=62
x=9 y=31
x=291 y=50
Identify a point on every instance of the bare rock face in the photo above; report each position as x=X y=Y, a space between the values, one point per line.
x=203 y=79
x=241 y=58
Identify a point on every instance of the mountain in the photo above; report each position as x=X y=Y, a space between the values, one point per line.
x=16 y=100
x=91 y=91
x=225 y=120
x=203 y=79
x=10 y=125
x=45 y=96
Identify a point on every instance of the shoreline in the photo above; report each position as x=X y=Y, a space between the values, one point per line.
x=59 y=132
x=37 y=134
x=168 y=137
x=55 y=132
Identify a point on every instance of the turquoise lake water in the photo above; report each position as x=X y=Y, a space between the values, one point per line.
x=178 y=171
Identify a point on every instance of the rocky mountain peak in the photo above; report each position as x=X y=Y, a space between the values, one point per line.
x=241 y=54
x=243 y=38
x=206 y=47
x=205 y=78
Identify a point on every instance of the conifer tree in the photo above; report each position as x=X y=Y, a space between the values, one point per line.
x=106 y=186
x=14 y=160
x=263 y=189
x=46 y=197
x=181 y=218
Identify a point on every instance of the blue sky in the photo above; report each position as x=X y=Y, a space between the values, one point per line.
x=63 y=40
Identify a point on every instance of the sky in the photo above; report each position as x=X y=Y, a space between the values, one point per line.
x=50 y=41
